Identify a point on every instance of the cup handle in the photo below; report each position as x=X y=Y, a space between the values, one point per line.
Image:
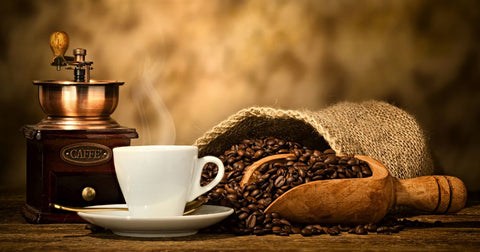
x=197 y=189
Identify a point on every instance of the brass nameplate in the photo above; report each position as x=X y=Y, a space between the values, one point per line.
x=86 y=154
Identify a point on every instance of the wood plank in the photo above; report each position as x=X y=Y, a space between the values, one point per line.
x=459 y=231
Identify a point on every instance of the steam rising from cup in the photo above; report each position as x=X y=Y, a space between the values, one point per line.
x=154 y=122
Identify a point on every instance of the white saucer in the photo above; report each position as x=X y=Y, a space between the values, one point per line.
x=121 y=223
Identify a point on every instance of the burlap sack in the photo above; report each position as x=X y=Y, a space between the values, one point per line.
x=371 y=128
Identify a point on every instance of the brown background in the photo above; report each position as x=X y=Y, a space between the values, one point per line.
x=190 y=64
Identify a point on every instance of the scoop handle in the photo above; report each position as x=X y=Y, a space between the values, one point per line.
x=434 y=194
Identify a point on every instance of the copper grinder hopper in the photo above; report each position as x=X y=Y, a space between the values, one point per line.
x=82 y=103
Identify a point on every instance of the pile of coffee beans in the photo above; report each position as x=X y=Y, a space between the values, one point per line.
x=276 y=178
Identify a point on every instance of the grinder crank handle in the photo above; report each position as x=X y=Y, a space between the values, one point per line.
x=59 y=43
x=434 y=194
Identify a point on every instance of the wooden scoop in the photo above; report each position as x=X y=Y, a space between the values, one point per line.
x=363 y=200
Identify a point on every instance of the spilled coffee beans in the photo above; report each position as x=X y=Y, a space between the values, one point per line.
x=274 y=179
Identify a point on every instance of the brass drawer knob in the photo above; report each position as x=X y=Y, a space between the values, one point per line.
x=88 y=193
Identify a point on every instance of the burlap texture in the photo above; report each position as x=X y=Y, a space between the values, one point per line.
x=373 y=128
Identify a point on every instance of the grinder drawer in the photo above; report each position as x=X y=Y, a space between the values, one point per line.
x=85 y=189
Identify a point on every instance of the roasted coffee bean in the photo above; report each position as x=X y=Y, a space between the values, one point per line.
x=329 y=151
x=384 y=229
x=229 y=190
x=360 y=230
x=241 y=153
x=258 y=154
x=349 y=173
x=255 y=192
x=285 y=222
x=276 y=221
x=296 y=230
x=333 y=231
x=280 y=181
x=317 y=229
x=330 y=159
x=366 y=171
x=371 y=227
x=214 y=196
x=259 y=232
x=307 y=231
x=242 y=216
x=220 y=191
x=250 y=187
x=275 y=215
x=252 y=207
x=268 y=225
x=352 y=161
x=251 y=221
x=276 y=229
x=301 y=173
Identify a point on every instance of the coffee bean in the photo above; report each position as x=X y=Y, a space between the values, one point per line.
x=275 y=215
x=371 y=227
x=360 y=230
x=276 y=229
x=317 y=229
x=333 y=231
x=230 y=160
x=343 y=228
x=251 y=221
x=252 y=207
x=258 y=154
x=276 y=221
x=301 y=173
x=220 y=191
x=328 y=151
x=352 y=161
x=296 y=230
x=285 y=222
x=349 y=173
x=239 y=165
x=384 y=229
x=240 y=153
x=303 y=158
x=366 y=171
x=242 y=216
x=259 y=232
x=330 y=159
x=306 y=231
x=280 y=181
x=297 y=153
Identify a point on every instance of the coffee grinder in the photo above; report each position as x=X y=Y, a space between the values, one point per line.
x=69 y=152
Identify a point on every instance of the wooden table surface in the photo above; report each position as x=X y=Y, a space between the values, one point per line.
x=459 y=232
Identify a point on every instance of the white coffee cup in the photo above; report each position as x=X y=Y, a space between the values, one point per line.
x=158 y=180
